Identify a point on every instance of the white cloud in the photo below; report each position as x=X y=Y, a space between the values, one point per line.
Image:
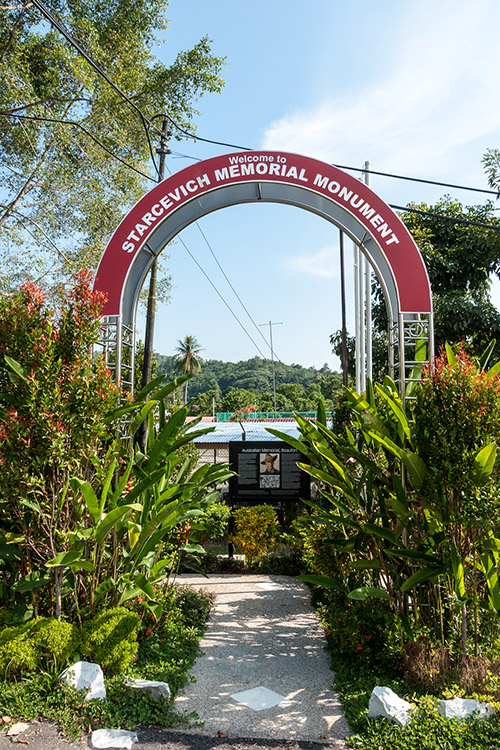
x=324 y=262
x=438 y=99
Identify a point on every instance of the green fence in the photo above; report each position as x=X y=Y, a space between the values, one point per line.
x=225 y=416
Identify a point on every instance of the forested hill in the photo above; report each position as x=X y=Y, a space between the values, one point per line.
x=253 y=374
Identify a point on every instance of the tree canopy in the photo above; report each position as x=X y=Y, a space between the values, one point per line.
x=460 y=259
x=63 y=187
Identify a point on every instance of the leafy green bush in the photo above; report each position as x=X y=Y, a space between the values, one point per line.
x=256 y=530
x=286 y=564
x=110 y=639
x=39 y=643
x=213 y=523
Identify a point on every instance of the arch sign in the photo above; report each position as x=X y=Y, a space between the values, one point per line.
x=269 y=176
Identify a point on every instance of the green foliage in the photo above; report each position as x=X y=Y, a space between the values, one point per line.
x=237 y=385
x=44 y=643
x=88 y=518
x=167 y=649
x=408 y=508
x=58 y=178
x=457 y=411
x=256 y=530
x=110 y=639
x=212 y=524
x=53 y=399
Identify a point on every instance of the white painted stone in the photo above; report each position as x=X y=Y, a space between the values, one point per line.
x=84 y=675
x=104 y=738
x=384 y=702
x=18 y=728
x=156 y=688
x=259 y=698
x=459 y=708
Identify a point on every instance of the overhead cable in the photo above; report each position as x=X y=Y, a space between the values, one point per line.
x=220 y=295
x=435 y=215
x=232 y=287
x=60 y=27
x=418 y=179
x=83 y=129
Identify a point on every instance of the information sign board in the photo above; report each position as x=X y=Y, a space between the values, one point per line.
x=266 y=471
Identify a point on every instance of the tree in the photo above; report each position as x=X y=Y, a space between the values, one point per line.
x=53 y=397
x=460 y=259
x=62 y=191
x=188 y=359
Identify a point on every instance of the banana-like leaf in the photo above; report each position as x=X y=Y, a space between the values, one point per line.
x=421 y=576
x=458 y=570
x=31 y=582
x=396 y=408
x=381 y=532
x=18 y=369
x=364 y=592
x=485 y=356
x=115 y=515
x=483 y=465
x=71 y=559
x=329 y=583
x=90 y=498
x=321 y=412
x=450 y=355
x=366 y=564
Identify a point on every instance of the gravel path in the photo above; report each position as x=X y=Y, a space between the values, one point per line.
x=263 y=633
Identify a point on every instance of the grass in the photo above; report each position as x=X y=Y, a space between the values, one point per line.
x=427 y=731
x=167 y=650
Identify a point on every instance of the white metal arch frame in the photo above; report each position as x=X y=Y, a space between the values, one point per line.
x=271 y=177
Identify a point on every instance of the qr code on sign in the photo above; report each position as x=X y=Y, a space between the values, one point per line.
x=270 y=482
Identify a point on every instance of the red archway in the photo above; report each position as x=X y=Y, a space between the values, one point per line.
x=272 y=177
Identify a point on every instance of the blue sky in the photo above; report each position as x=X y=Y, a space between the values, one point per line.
x=411 y=87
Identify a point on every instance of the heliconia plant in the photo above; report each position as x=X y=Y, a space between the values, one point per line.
x=89 y=514
x=409 y=496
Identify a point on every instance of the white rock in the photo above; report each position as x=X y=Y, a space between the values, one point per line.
x=384 y=702
x=84 y=675
x=157 y=689
x=103 y=738
x=16 y=729
x=459 y=708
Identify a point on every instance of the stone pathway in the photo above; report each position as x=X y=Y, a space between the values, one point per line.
x=263 y=633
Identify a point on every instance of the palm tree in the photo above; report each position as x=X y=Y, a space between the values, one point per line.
x=188 y=358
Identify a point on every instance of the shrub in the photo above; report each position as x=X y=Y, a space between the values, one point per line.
x=256 y=530
x=43 y=643
x=213 y=523
x=425 y=665
x=110 y=639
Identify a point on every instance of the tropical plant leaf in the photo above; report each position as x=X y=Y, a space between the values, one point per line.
x=330 y=583
x=17 y=368
x=364 y=592
x=421 y=576
x=484 y=463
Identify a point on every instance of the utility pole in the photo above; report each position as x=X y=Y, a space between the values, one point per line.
x=272 y=358
x=151 y=310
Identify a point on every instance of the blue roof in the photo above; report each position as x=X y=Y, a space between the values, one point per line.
x=227 y=432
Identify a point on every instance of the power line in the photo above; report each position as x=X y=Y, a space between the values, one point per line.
x=435 y=215
x=220 y=295
x=418 y=179
x=74 y=43
x=206 y=140
x=83 y=129
x=229 y=282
